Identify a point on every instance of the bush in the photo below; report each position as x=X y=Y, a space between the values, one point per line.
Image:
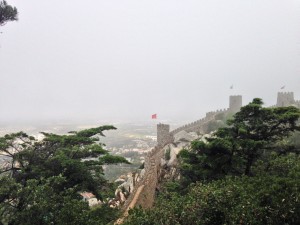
x=243 y=200
x=271 y=197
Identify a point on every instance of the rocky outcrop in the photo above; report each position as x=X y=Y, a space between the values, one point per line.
x=183 y=136
x=127 y=184
x=160 y=165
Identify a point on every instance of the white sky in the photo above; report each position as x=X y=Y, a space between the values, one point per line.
x=127 y=59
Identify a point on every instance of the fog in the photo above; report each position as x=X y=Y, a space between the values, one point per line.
x=123 y=60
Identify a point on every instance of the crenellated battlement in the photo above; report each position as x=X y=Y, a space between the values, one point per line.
x=165 y=136
x=285 y=99
x=198 y=125
x=286 y=93
x=297 y=103
x=217 y=111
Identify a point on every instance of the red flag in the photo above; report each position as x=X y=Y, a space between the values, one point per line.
x=154 y=116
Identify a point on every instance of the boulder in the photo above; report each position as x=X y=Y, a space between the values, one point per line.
x=142 y=173
x=162 y=162
x=173 y=155
x=122 y=197
x=194 y=135
x=128 y=185
x=183 y=136
x=119 y=180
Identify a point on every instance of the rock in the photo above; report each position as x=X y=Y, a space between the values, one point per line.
x=203 y=138
x=182 y=145
x=194 y=135
x=183 y=136
x=173 y=155
x=128 y=185
x=136 y=178
x=94 y=201
x=162 y=162
x=142 y=173
x=123 y=177
x=119 y=180
x=122 y=197
x=117 y=191
x=173 y=171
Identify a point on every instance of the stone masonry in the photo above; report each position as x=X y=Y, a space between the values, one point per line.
x=165 y=136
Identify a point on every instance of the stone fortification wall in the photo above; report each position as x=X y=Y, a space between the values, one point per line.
x=235 y=103
x=163 y=134
x=148 y=181
x=285 y=99
x=199 y=125
x=297 y=103
x=146 y=199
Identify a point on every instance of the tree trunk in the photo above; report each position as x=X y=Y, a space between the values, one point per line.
x=249 y=165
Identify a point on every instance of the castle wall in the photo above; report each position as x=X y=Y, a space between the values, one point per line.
x=163 y=134
x=285 y=99
x=199 y=125
x=235 y=103
x=148 y=181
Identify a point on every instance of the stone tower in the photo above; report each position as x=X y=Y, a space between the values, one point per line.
x=285 y=99
x=235 y=103
x=163 y=134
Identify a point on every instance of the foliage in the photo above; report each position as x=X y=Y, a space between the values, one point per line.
x=168 y=154
x=294 y=141
x=286 y=165
x=44 y=179
x=7 y=13
x=233 y=150
x=266 y=199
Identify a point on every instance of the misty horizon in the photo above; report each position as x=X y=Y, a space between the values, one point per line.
x=122 y=61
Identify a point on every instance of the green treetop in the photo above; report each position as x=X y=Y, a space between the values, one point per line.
x=7 y=13
x=234 y=149
x=43 y=179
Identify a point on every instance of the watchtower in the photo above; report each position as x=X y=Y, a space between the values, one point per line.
x=235 y=103
x=163 y=134
x=285 y=99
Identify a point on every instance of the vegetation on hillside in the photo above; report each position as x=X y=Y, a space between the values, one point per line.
x=247 y=173
x=42 y=181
